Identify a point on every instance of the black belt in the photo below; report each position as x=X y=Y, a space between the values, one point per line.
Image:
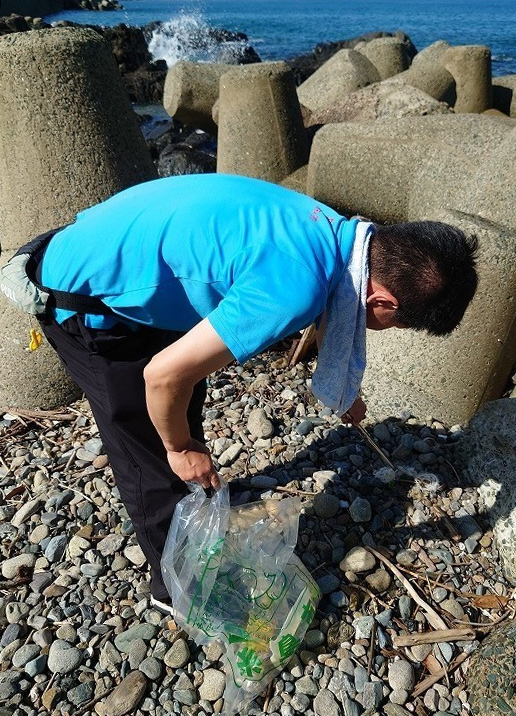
x=78 y=302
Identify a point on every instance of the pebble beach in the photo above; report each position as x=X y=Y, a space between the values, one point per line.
x=396 y=553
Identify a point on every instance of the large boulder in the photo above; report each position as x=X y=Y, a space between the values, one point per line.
x=492 y=672
x=488 y=452
x=68 y=139
x=388 y=54
x=345 y=72
x=504 y=94
x=391 y=98
x=261 y=132
x=470 y=66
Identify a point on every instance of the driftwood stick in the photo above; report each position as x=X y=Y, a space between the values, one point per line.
x=433 y=617
x=304 y=344
x=39 y=414
x=431 y=680
x=293 y=491
x=434 y=637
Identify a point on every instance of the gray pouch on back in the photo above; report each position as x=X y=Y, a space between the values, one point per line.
x=19 y=290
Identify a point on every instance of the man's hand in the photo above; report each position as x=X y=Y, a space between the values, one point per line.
x=170 y=378
x=194 y=464
x=356 y=413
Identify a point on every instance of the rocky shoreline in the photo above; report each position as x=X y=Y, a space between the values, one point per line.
x=394 y=555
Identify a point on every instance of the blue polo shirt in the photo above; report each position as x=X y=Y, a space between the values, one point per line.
x=258 y=260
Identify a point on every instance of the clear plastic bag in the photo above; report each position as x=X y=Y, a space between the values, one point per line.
x=233 y=576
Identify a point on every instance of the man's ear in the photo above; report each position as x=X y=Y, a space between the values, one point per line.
x=381 y=296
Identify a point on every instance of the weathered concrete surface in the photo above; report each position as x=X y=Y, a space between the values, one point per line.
x=29 y=379
x=68 y=139
x=432 y=79
x=470 y=66
x=191 y=91
x=488 y=451
x=344 y=73
x=431 y=55
x=450 y=378
x=391 y=98
x=458 y=170
x=297 y=180
x=261 y=132
x=388 y=54
x=391 y=170
x=504 y=98
x=491 y=189
x=76 y=138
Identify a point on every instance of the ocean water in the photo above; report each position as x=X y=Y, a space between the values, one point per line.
x=280 y=29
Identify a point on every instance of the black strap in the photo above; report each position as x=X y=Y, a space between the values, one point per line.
x=77 y=302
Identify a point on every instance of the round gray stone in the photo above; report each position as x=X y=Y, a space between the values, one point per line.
x=81 y=693
x=55 y=549
x=306 y=685
x=325 y=704
x=178 y=655
x=360 y=510
x=358 y=560
x=16 y=612
x=63 y=657
x=259 y=424
x=11 y=567
x=401 y=675
x=213 y=685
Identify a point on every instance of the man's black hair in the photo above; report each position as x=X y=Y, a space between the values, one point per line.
x=430 y=268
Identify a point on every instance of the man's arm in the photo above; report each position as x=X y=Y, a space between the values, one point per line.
x=169 y=380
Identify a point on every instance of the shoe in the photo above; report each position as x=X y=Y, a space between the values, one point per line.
x=162 y=607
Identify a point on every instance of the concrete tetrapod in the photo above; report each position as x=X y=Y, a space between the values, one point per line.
x=75 y=142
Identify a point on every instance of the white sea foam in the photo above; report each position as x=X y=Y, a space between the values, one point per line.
x=189 y=37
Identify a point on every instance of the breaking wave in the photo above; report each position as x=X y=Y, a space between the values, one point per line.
x=189 y=37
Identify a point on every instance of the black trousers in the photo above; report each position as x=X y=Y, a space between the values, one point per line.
x=108 y=366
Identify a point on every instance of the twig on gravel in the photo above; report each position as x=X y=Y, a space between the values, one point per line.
x=294 y=491
x=38 y=414
x=433 y=617
x=369 y=440
x=434 y=637
x=486 y=625
x=372 y=595
x=268 y=695
x=434 y=678
x=70 y=460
